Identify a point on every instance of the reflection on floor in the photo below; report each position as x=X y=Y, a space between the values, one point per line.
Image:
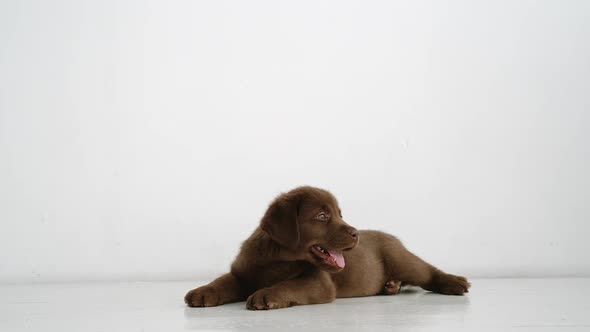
x=492 y=304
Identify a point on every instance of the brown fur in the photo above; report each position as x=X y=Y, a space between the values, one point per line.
x=276 y=267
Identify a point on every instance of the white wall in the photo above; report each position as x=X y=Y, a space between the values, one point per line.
x=135 y=135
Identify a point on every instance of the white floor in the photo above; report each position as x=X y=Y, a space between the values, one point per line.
x=492 y=304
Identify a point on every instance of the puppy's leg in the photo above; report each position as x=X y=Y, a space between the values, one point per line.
x=411 y=269
x=314 y=287
x=225 y=289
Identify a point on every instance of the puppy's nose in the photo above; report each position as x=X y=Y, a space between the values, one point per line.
x=353 y=232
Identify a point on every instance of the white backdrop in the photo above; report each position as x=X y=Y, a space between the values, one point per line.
x=143 y=140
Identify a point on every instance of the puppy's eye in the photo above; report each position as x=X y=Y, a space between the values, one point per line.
x=322 y=216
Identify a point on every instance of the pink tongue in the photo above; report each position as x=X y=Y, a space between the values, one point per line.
x=338 y=258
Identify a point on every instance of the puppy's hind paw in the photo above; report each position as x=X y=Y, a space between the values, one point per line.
x=392 y=287
x=449 y=284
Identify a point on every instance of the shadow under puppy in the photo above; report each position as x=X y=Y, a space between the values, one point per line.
x=303 y=252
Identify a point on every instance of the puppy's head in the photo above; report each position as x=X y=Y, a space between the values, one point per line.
x=308 y=221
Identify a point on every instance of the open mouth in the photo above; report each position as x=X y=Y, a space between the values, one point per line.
x=329 y=257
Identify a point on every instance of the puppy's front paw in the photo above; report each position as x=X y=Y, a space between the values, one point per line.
x=265 y=299
x=205 y=296
x=449 y=284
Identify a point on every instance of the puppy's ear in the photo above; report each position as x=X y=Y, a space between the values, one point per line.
x=280 y=221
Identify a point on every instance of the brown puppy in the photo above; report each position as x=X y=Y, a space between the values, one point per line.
x=303 y=252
